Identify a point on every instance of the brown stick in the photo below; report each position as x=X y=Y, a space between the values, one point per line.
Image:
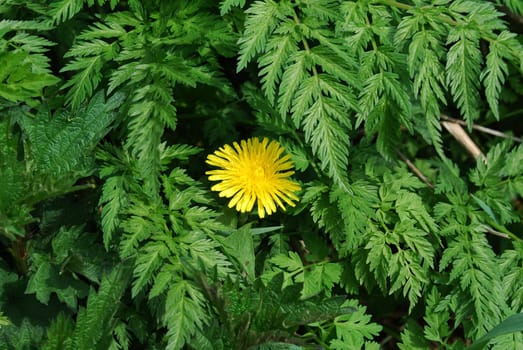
x=483 y=129
x=461 y=135
x=415 y=170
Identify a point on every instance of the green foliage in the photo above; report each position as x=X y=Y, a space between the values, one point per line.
x=25 y=69
x=258 y=315
x=354 y=330
x=512 y=324
x=56 y=151
x=60 y=143
x=97 y=320
x=111 y=237
x=312 y=83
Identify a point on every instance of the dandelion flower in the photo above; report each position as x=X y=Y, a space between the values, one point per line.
x=254 y=171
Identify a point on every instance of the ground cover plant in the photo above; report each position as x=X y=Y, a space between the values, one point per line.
x=293 y=174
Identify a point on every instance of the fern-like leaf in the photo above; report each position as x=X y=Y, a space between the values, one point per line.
x=327 y=137
x=511 y=263
x=63 y=10
x=137 y=228
x=113 y=199
x=274 y=61
x=149 y=260
x=493 y=76
x=353 y=329
x=227 y=5
x=93 y=322
x=58 y=332
x=261 y=21
x=473 y=264
x=428 y=79
x=514 y=5
x=184 y=314
x=13 y=181
x=8 y=25
x=23 y=76
x=89 y=59
x=292 y=78
x=61 y=144
x=463 y=71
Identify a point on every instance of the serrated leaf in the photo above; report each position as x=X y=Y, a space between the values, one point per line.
x=93 y=322
x=463 y=71
x=62 y=143
x=21 y=80
x=291 y=262
x=60 y=329
x=320 y=277
x=328 y=139
x=273 y=62
x=47 y=279
x=262 y=18
x=226 y=5
x=148 y=261
x=240 y=245
x=292 y=79
x=428 y=73
x=184 y=314
x=354 y=328
x=63 y=10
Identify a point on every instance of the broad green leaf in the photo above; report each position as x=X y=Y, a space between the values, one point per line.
x=511 y=324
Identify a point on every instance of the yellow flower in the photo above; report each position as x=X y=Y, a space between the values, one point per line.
x=254 y=171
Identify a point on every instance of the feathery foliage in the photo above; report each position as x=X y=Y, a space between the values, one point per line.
x=112 y=239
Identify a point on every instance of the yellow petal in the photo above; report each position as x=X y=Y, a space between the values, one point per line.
x=254 y=172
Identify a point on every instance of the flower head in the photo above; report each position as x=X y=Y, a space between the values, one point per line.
x=254 y=171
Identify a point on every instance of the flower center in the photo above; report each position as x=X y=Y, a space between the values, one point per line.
x=259 y=172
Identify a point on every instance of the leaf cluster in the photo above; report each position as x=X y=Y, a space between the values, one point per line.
x=111 y=238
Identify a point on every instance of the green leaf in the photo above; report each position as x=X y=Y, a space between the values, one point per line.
x=262 y=18
x=410 y=206
x=291 y=262
x=94 y=323
x=291 y=81
x=320 y=277
x=511 y=324
x=22 y=80
x=474 y=267
x=4 y=321
x=25 y=335
x=356 y=210
x=437 y=328
x=58 y=332
x=493 y=76
x=62 y=144
x=278 y=346
x=272 y=63
x=62 y=10
x=328 y=139
x=354 y=328
x=384 y=107
x=47 y=279
x=412 y=337
x=85 y=82
x=263 y=230
x=13 y=175
x=184 y=314
x=463 y=71
x=226 y=5
x=240 y=245
x=149 y=259
x=427 y=71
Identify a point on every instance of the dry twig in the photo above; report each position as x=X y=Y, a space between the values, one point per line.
x=483 y=129
x=461 y=135
x=415 y=170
